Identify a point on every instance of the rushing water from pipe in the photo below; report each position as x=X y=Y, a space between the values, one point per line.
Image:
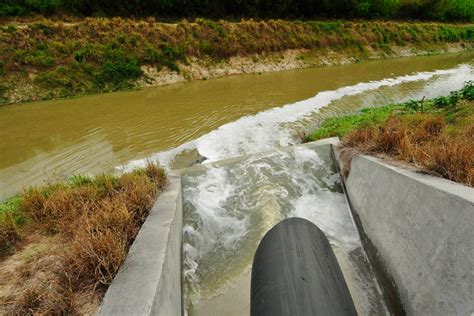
x=230 y=206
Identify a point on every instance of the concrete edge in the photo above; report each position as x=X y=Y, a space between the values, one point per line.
x=418 y=225
x=224 y=162
x=149 y=281
x=438 y=183
x=384 y=279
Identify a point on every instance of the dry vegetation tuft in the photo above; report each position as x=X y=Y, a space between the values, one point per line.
x=92 y=222
x=423 y=140
x=440 y=140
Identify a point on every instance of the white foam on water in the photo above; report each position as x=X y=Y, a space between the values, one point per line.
x=266 y=130
x=230 y=208
x=209 y=193
x=329 y=212
x=326 y=209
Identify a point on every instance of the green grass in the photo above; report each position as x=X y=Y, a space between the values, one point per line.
x=10 y=210
x=343 y=125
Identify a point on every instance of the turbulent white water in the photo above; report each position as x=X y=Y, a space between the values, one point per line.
x=229 y=208
x=267 y=130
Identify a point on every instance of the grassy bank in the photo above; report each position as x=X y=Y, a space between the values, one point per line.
x=439 y=140
x=61 y=245
x=45 y=59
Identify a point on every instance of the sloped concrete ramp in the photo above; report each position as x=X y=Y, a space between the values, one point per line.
x=228 y=207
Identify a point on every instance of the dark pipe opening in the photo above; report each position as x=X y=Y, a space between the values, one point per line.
x=295 y=272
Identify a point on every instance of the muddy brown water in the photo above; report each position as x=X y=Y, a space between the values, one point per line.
x=51 y=140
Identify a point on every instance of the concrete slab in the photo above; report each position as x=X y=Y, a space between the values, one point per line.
x=422 y=227
x=149 y=281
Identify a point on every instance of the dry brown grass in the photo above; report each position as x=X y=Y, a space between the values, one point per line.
x=9 y=236
x=93 y=225
x=424 y=141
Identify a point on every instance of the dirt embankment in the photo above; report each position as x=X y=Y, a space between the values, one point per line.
x=46 y=59
x=198 y=69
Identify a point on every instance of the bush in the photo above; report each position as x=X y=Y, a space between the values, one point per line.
x=22 y=7
x=39 y=58
x=89 y=53
x=70 y=79
x=448 y=101
x=12 y=9
x=11 y=218
x=118 y=70
x=439 y=140
x=3 y=90
x=461 y=10
x=102 y=54
x=44 y=6
x=468 y=91
x=419 y=139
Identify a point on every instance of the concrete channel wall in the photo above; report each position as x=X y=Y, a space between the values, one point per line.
x=149 y=281
x=423 y=228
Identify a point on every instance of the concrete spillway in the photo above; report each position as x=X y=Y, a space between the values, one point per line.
x=229 y=206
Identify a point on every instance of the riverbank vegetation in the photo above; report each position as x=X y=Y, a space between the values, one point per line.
x=62 y=244
x=460 y=10
x=44 y=59
x=438 y=139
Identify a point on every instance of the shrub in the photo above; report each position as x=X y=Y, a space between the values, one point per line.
x=212 y=25
x=74 y=78
x=448 y=101
x=11 y=28
x=461 y=10
x=468 y=91
x=118 y=70
x=39 y=58
x=89 y=53
x=44 y=6
x=7 y=9
x=106 y=54
x=441 y=140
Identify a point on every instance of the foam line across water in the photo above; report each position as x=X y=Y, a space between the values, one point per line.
x=268 y=129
